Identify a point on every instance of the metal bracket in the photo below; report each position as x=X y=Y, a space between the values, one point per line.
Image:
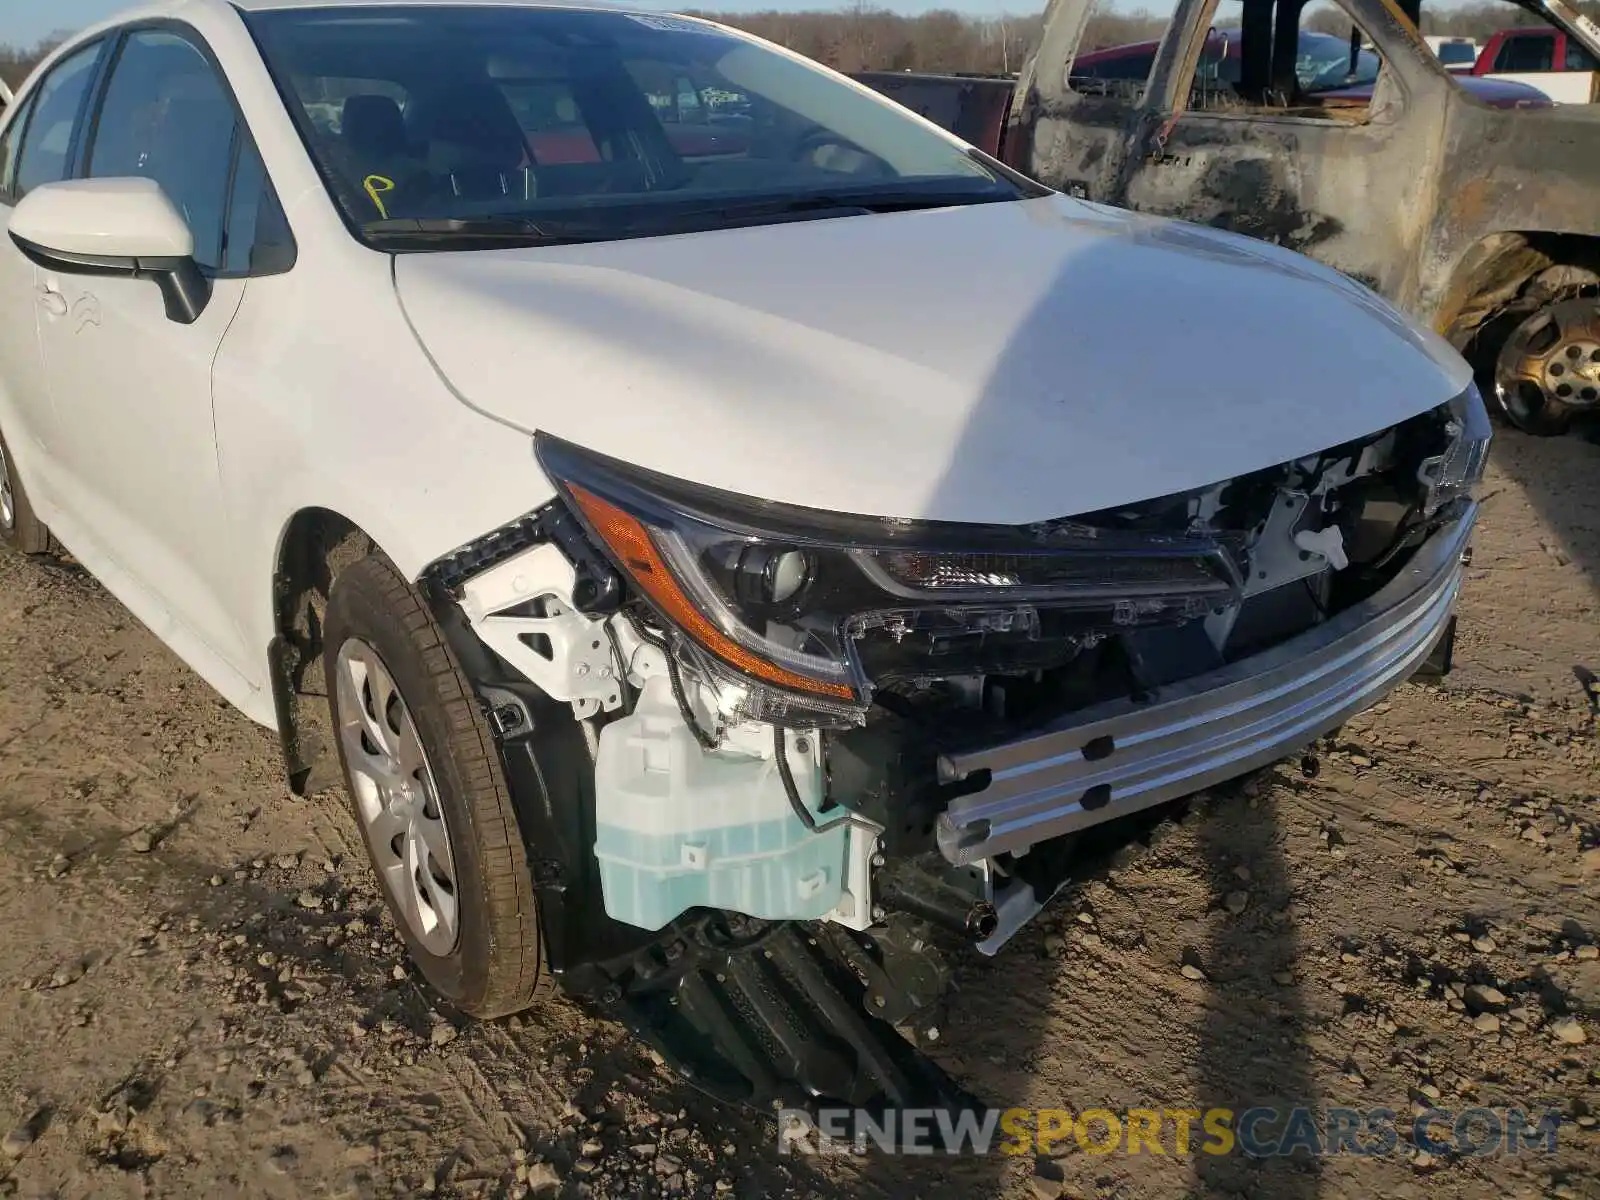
x=854 y=910
x=522 y=609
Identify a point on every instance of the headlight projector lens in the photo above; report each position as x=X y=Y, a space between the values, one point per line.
x=771 y=575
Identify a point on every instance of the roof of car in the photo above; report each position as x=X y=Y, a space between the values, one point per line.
x=264 y=5
x=139 y=10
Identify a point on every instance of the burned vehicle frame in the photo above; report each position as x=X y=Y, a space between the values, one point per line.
x=1477 y=220
x=1152 y=651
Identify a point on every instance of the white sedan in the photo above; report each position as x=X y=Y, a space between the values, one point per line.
x=720 y=527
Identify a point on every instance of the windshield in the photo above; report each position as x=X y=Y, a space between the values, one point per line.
x=1456 y=54
x=1323 y=64
x=562 y=124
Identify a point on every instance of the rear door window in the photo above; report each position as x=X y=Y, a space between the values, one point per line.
x=47 y=142
x=10 y=143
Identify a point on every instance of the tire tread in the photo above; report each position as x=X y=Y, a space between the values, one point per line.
x=515 y=974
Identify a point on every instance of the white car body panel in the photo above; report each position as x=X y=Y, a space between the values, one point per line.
x=1088 y=372
x=131 y=217
x=19 y=348
x=971 y=364
x=358 y=424
x=133 y=444
x=1564 y=87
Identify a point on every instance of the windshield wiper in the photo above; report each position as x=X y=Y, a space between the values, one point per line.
x=679 y=215
x=866 y=201
x=518 y=230
x=689 y=216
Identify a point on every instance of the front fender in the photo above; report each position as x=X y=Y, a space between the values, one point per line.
x=358 y=424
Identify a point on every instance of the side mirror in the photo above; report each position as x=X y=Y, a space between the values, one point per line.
x=114 y=227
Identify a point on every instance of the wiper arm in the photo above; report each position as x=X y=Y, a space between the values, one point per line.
x=867 y=201
x=499 y=229
x=733 y=213
x=679 y=217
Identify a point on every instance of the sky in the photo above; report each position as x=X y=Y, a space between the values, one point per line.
x=27 y=22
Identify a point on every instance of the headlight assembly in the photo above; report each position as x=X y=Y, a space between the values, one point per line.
x=807 y=610
x=1454 y=473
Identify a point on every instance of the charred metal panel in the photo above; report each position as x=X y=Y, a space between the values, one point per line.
x=1429 y=197
x=1506 y=177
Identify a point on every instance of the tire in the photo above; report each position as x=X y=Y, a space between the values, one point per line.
x=491 y=963
x=1542 y=366
x=19 y=528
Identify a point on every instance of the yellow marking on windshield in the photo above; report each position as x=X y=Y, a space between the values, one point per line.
x=377 y=187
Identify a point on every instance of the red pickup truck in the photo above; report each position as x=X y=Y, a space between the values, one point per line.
x=1545 y=58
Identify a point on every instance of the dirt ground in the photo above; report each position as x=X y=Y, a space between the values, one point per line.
x=200 y=995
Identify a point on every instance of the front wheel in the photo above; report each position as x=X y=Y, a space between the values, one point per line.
x=19 y=528
x=427 y=789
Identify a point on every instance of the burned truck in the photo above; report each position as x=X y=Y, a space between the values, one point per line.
x=1471 y=209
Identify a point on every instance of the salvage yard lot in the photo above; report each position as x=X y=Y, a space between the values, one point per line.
x=200 y=995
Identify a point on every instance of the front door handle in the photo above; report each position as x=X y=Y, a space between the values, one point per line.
x=53 y=301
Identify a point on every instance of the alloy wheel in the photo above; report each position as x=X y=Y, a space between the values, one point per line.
x=396 y=797
x=8 y=503
x=1548 y=369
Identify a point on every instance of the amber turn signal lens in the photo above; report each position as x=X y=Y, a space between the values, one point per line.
x=629 y=542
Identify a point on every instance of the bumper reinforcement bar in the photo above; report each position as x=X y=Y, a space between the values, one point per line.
x=1120 y=757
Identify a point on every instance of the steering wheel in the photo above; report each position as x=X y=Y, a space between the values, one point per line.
x=829 y=151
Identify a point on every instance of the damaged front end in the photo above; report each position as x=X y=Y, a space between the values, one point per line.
x=788 y=754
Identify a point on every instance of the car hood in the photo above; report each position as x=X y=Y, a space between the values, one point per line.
x=1497 y=93
x=1504 y=93
x=999 y=363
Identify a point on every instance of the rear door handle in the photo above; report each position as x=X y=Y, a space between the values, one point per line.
x=53 y=301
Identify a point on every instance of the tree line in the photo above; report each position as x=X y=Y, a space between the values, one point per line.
x=861 y=37
x=17 y=61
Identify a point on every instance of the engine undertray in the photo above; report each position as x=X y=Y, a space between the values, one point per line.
x=773 y=1015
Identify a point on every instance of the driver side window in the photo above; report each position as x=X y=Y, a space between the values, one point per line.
x=167 y=117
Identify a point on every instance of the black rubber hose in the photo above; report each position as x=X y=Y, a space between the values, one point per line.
x=622 y=667
x=780 y=747
x=708 y=740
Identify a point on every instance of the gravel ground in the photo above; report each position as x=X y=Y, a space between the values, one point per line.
x=201 y=995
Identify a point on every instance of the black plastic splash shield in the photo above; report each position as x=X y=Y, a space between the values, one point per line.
x=771 y=1016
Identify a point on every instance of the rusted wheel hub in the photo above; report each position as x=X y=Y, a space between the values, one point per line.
x=1549 y=368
